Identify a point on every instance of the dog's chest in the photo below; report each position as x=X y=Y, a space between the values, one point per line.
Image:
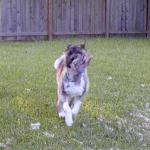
x=79 y=83
x=75 y=88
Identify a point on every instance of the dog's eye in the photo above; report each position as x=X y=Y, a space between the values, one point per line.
x=73 y=57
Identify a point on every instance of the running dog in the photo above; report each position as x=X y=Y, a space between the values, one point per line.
x=72 y=81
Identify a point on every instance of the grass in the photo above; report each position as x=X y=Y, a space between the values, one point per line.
x=120 y=81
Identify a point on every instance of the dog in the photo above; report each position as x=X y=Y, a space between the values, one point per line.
x=72 y=81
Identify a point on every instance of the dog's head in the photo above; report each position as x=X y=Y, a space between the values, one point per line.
x=77 y=58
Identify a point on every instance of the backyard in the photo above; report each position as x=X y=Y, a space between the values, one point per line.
x=116 y=111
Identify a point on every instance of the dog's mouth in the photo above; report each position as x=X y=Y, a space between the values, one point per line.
x=80 y=63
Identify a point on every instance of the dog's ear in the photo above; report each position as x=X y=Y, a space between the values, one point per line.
x=69 y=46
x=83 y=45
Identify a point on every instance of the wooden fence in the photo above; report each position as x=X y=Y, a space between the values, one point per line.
x=79 y=17
x=43 y=19
x=21 y=19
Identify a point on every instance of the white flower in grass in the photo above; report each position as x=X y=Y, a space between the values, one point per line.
x=109 y=78
x=142 y=85
x=27 y=90
x=147 y=105
x=10 y=141
x=35 y=126
x=2 y=145
x=48 y=135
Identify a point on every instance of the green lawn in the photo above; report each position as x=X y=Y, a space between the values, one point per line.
x=116 y=111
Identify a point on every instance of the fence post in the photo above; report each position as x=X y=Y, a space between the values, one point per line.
x=148 y=19
x=107 y=9
x=50 y=19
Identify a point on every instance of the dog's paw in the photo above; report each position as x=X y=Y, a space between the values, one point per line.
x=61 y=114
x=69 y=123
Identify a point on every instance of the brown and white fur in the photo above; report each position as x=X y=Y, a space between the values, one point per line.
x=72 y=81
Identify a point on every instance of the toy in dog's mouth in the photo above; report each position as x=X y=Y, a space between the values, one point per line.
x=77 y=58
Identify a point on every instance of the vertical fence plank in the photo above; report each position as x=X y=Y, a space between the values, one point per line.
x=102 y=17
x=18 y=25
x=62 y=15
x=76 y=16
x=107 y=17
x=72 y=15
x=89 y=16
x=32 y=13
x=0 y=16
x=96 y=12
x=14 y=16
x=148 y=20
x=145 y=14
x=23 y=16
x=84 y=16
x=54 y=26
x=18 y=17
x=63 y=12
x=80 y=15
x=9 y=19
x=68 y=16
x=27 y=15
x=37 y=16
x=59 y=15
x=50 y=19
x=45 y=15
x=92 y=16
x=4 y=16
x=41 y=15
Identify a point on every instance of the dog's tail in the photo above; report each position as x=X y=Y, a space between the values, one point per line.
x=59 y=62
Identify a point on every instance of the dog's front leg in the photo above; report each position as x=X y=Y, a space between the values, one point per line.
x=68 y=114
x=76 y=107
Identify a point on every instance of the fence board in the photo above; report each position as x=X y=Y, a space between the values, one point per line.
x=0 y=16
x=107 y=15
x=92 y=17
x=76 y=15
x=50 y=20
x=102 y=22
x=148 y=20
x=68 y=16
x=4 y=16
x=59 y=15
x=9 y=16
x=63 y=12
